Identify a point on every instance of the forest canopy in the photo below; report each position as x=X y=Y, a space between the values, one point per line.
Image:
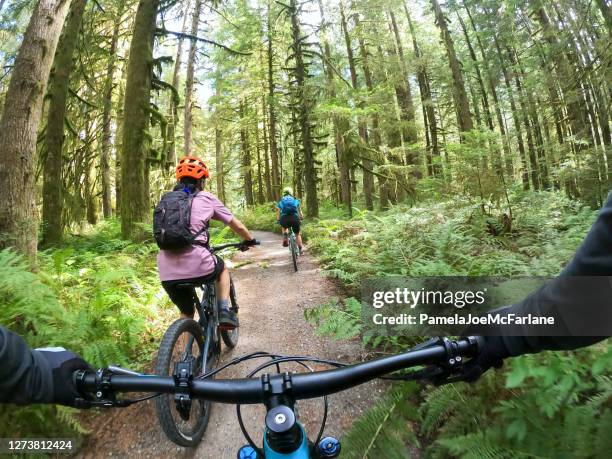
x=360 y=103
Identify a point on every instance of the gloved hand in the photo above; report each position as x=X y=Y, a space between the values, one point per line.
x=245 y=245
x=63 y=364
x=492 y=355
x=278 y=222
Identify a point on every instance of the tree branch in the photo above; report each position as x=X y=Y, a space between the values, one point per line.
x=159 y=31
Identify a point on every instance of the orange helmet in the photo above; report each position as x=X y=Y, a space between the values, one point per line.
x=190 y=166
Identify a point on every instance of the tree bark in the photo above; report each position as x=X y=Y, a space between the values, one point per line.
x=535 y=177
x=173 y=102
x=136 y=145
x=247 y=172
x=267 y=178
x=105 y=149
x=119 y=146
x=219 y=164
x=429 y=118
x=260 y=188
x=606 y=11
x=191 y=60
x=300 y=73
x=341 y=126
x=368 y=164
x=496 y=104
x=404 y=98
x=462 y=104
x=19 y=125
x=515 y=116
x=274 y=151
x=572 y=94
x=63 y=65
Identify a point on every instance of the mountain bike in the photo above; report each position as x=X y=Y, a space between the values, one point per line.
x=293 y=249
x=197 y=344
x=284 y=437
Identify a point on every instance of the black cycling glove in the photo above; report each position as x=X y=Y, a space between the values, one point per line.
x=63 y=364
x=492 y=355
x=245 y=245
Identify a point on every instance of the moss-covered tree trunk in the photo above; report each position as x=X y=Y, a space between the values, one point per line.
x=191 y=62
x=267 y=177
x=135 y=207
x=247 y=172
x=173 y=101
x=340 y=123
x=219 y=164
x=462 y=104
x=509 y=168
x=119 y=146
x=274 y=150
x=572 y=93
x=303 y=106
x=404 y=99
x=260 y=188
x=219 y=167
x=54 y=132
x=375 y=138
x=429 y=118
x=107 y=118
x=19 y=126
x=515 y=116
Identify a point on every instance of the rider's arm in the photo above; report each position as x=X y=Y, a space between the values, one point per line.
x=36 y=376
x=277 y=213
x=25 y=376
x=569 y=306
x=238 y=227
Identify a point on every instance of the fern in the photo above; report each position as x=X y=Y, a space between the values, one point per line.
x=385 y=430
x=100 y=298
x=336 y=321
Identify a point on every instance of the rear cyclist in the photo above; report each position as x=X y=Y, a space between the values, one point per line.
x=289 y=215
x=196 y=263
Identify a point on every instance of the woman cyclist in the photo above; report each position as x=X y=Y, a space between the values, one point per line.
x=289 y=215
x=196 y=263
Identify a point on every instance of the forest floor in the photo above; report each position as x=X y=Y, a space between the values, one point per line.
x=272 y=300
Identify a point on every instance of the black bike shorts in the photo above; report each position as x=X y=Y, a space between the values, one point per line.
x=291 y=221
x=185 y=298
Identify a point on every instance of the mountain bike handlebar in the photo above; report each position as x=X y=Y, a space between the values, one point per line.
x=298 y=386
x=235 y=245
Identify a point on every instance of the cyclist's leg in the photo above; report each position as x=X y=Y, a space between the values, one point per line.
x=296 y=225
x=227 y=317
x=223 y=285
x=181 y=297
x=285 y=225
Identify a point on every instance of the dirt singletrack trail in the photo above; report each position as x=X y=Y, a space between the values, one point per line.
x=272 y=300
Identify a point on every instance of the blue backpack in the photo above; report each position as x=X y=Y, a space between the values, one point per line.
x=289 y=205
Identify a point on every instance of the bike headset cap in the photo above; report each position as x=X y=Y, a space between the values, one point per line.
x=190 y=166
x=287 y=191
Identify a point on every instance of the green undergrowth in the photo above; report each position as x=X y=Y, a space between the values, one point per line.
x=97 y=295
x=452 y=238
x=544 y=405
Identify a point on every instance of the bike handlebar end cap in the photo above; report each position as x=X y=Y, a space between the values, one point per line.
x=280 y=419
x=329 y=447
